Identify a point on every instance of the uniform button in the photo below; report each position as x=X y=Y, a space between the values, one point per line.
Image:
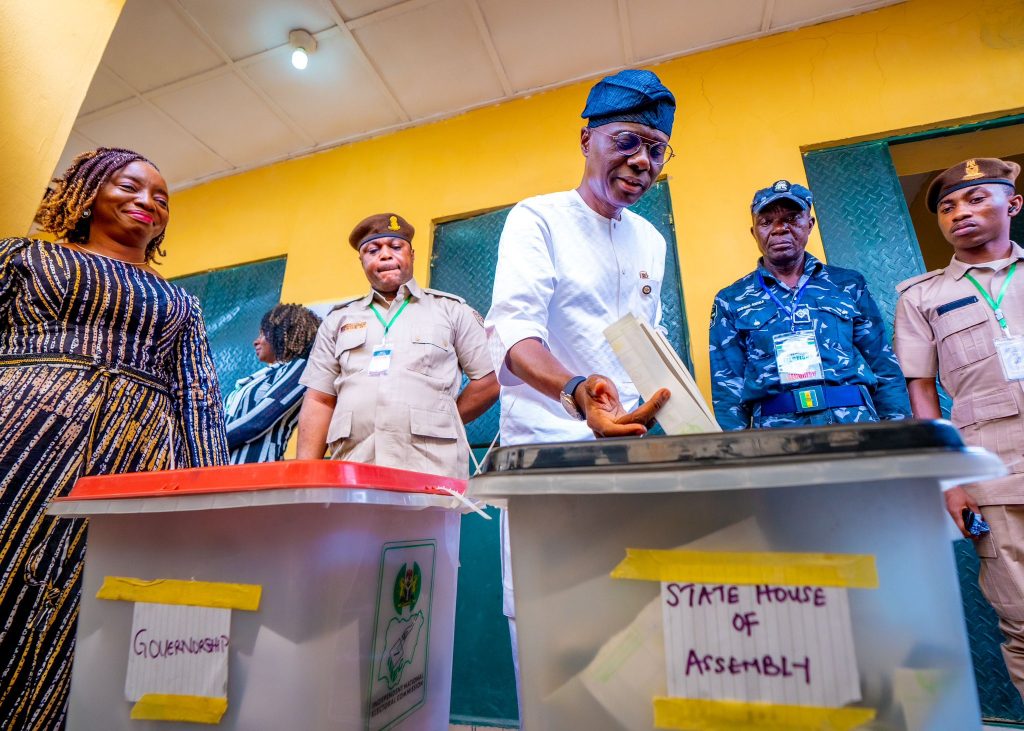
x=646 y=289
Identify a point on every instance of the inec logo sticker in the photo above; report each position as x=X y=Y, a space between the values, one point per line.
x=398 y=672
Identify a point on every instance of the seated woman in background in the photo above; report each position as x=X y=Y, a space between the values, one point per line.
x=263 y=409
x=104 y=368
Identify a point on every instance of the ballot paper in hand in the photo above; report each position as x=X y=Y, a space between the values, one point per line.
x=652 y=364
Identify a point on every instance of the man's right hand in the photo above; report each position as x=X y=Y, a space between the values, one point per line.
x=598 y=398
x=957 y=498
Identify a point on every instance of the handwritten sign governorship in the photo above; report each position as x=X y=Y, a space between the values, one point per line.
x=777 y=644
x=178 y=650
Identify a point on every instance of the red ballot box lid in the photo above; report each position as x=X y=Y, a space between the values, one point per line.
x=255 y=477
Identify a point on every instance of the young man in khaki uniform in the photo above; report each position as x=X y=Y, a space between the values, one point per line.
x=384 y=374
x=965 y=323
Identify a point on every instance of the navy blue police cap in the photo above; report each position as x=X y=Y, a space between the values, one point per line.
x=782 y=190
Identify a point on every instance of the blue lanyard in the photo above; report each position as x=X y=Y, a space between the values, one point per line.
x=791 y=311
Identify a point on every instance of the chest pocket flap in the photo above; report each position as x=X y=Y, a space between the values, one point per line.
x=428 y=423
x=348 y=339
x=963 y=336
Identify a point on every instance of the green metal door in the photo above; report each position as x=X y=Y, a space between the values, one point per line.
x=463 y=262
x=234 y=301
x=865 y=226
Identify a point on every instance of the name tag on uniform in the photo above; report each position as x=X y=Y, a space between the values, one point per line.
x=797 y=357
x=1011 y=357
x=380 y=360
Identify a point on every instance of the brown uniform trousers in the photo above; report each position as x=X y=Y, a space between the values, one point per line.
x=944 y=327
x=405 y=418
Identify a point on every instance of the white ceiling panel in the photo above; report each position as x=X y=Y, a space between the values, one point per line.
x=205 y=87
x=788 y=13
x=664 y=27
x=433 y=58
x=211 y=111
x=334 y=98
x=352 y=9
x=105 y=90
x=141 y=128
x=245 y=27
x=152 y=46
x=541 y=42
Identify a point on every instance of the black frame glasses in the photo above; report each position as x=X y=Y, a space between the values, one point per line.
x=629 y=143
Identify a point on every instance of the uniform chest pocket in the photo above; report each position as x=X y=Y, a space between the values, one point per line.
x=757 y=329
x=833 y=325
x=430 y=351
x=963 y=336
x=347 y=342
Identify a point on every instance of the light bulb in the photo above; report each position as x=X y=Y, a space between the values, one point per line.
x=299 y=59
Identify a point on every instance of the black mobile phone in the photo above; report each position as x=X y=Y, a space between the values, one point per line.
x=973 y=523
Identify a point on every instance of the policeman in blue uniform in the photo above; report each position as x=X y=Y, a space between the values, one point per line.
x=797 y=342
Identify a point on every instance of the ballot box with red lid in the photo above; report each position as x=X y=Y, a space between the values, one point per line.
x=352 y=571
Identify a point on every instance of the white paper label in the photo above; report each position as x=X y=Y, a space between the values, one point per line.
x=178 y=650
x=797 y=357
x=1011 y=357
x=776 y=644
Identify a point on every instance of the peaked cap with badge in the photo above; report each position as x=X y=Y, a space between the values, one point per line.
x=632 y=95
x=782 y=190
x=380 y=226
x=976 y=171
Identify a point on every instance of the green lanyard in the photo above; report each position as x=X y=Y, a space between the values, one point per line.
x=387 y=325
x=996 y=304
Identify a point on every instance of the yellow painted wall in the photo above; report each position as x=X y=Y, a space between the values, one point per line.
x=745 y=114
x=49 y=51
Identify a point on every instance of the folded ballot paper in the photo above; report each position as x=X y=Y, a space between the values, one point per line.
x=652 y=364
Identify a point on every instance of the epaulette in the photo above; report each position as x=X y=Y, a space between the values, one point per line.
x=345 y=303
x=908 y=283
x=449 y=295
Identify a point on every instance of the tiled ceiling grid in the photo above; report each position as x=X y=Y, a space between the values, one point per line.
x=206 y=89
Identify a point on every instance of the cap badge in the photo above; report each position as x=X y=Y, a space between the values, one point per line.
x=781 y=186
x=393 y=224
x=972 y=172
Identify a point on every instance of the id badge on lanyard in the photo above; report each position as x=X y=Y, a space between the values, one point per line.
x=1010 y=348
x=380 y=360
x=797 y=357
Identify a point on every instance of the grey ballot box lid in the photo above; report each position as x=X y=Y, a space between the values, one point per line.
x=750 y=448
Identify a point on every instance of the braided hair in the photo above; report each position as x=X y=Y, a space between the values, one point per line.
x=65 y=207
x=290 y=330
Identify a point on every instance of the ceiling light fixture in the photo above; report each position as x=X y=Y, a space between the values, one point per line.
x=304 y=44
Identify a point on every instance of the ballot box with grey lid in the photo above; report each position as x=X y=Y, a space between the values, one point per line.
x=851 y=516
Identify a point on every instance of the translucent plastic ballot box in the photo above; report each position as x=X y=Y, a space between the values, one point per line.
x=767 y=579
x=292 y=595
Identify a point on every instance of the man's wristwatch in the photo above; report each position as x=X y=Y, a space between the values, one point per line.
x=569 y=401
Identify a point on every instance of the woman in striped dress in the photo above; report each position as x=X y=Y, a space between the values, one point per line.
x=104 y=368
x=263 y=409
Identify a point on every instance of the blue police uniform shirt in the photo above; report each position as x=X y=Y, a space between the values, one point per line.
x=851 y=340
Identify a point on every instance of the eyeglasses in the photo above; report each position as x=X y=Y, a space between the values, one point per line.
x=629 y=143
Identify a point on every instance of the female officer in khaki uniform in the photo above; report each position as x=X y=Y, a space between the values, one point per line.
x=384 y=374
x=965 y=323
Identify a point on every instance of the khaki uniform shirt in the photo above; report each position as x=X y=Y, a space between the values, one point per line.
x=944 y=327
x=405 y=418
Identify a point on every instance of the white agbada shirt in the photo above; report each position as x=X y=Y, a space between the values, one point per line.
x=564 y=274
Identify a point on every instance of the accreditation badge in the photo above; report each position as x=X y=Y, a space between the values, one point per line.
x=380 y=360
x=797 y=357
x=1011 y=357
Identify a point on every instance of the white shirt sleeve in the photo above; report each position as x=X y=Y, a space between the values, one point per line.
x=524 y=282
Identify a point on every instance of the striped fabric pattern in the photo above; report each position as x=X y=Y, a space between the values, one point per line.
x=104 y=368
x=262 y=412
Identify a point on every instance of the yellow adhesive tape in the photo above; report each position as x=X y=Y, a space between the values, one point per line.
x=703 y=715
x=194 y=708
x=720 y=567
x=174 y=591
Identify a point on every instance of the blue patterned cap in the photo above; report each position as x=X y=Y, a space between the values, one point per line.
x=632 y=95
x=782 y=190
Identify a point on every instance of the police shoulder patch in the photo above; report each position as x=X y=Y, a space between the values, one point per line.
x=448 y=295
x=908 y=283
